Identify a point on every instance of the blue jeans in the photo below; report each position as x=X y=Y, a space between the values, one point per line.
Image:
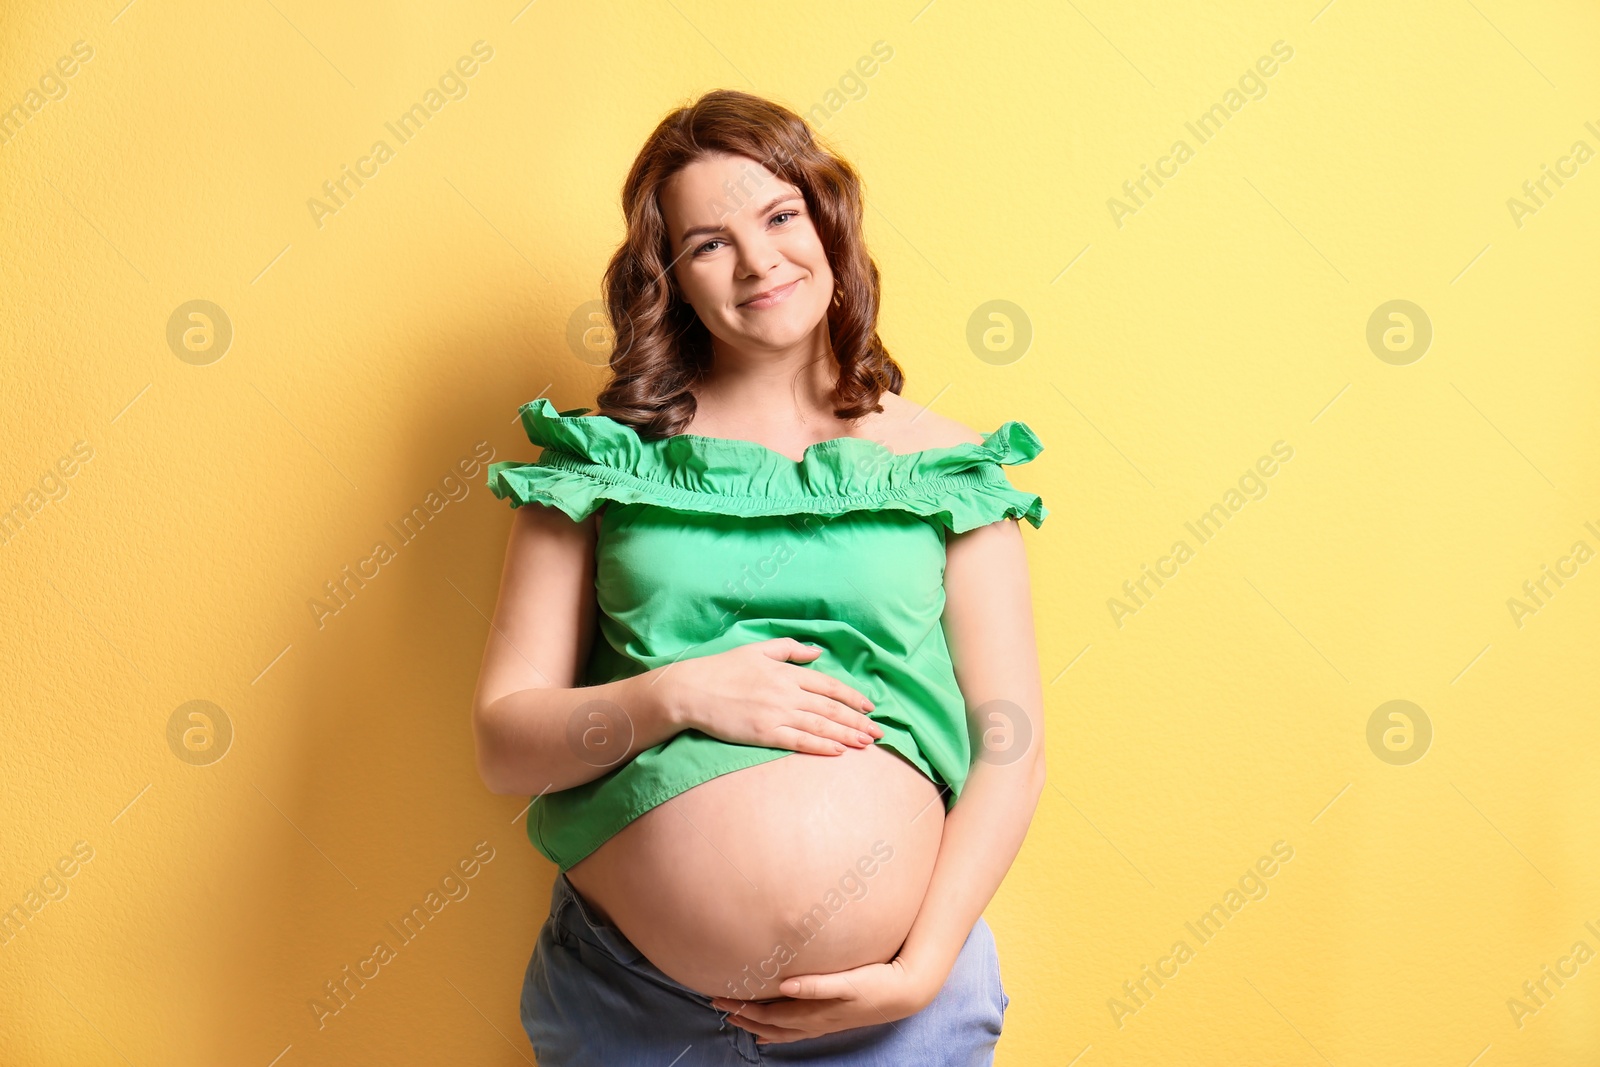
x=589 y=997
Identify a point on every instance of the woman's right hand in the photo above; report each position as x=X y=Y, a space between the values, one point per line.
x=756 y=694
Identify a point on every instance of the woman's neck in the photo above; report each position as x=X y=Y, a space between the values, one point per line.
x=770 y=395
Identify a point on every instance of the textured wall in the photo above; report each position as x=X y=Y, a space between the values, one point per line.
x=179 y=489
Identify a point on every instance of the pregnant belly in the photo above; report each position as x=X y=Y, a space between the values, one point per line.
x=801 y=865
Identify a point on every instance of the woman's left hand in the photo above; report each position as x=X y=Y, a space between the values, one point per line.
x=817 y=1004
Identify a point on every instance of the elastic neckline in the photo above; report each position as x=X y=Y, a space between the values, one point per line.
x=543 y=410
x=587 y=459
x=804 y=453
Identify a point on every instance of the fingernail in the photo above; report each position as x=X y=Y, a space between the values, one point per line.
x=865 y=740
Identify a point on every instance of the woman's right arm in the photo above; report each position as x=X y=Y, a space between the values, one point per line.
x=524 y=713
x=531 y=724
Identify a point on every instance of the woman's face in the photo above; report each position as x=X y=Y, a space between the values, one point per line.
x=738 y=231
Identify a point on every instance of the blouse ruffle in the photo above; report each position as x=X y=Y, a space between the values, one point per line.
x=589 y=460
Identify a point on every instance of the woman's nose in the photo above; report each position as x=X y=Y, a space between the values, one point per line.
x=757 y=256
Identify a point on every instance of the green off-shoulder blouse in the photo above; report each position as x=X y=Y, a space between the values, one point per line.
x=709 y=543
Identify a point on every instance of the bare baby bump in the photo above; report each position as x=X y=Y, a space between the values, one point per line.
x=801 y=865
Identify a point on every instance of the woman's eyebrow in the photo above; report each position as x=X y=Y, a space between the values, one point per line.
x=695 y=231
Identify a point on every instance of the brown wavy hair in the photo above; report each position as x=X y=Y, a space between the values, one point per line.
x=662 y=348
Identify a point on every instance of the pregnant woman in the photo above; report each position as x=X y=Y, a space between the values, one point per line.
x=764 y=651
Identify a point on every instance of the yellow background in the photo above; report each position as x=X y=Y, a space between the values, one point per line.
x=372 y=352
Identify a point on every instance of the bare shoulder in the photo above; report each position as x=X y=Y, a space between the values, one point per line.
x=906 y=426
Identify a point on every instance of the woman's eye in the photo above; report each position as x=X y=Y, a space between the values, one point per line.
x=782 y=215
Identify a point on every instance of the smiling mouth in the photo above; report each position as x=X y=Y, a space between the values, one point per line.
x=771 y=297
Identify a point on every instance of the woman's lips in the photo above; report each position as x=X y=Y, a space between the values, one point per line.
x=777 y=296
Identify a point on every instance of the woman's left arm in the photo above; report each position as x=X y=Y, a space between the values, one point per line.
x=988 y=623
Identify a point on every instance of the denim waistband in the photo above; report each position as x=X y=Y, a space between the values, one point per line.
x=568 y=908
